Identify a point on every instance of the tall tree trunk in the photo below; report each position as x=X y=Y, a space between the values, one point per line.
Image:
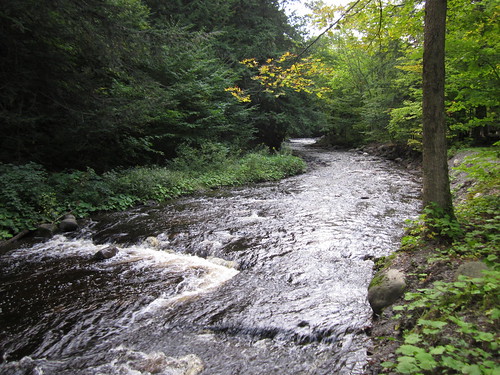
x=435 y=161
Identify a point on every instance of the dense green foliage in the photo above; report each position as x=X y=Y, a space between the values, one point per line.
x=455 y=329
x=113 y=83
x=451 y=327
x=30 y=195
x=376 y=56
x=126 y=82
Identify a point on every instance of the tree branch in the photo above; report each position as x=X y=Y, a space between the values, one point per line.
x=328 y=29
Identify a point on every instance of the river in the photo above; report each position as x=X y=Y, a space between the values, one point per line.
x=265 y=279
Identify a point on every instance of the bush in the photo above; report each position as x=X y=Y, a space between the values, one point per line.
x=29 y=195
x=25 y=198
x=209 y=156
x=447 y=337
x=262 y=167
x=452 y=326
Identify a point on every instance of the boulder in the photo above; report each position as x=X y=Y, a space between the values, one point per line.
x=68 y=224
x=471 y=269
x=386 y=287
x=46 y=230
x=106 y=253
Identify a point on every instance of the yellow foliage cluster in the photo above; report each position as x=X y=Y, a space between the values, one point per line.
x=287 y=71
x=238 y=94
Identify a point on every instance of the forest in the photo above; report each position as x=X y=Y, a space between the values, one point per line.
x=102 y=86
x=106 y=104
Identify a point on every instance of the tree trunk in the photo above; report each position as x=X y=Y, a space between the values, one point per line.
x=436 y=189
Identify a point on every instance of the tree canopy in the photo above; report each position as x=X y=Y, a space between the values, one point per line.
x=126 y=82
x=107 y=83
x=376 y=54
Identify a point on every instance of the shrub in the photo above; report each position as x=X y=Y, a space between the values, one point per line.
x=209 y=156
x=25 y=198
x=452 y=326
x=29 y=195
x=446 y=337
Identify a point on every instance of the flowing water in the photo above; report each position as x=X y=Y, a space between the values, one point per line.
x=266 y=279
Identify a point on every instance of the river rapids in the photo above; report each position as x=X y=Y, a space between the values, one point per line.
x=265 y=279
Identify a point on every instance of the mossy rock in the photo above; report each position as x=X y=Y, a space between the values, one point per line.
x=385 y=288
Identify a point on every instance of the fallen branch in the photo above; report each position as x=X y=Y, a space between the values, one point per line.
x=14 y=239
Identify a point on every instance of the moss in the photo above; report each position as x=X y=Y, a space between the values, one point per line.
x=380 y=266
x=384 y=262
x=377 y=279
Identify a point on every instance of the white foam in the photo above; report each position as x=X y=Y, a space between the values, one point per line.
x=131 y=362
x=200 y=275
x=207 y=276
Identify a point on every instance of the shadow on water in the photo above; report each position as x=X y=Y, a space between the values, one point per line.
x=270 y=278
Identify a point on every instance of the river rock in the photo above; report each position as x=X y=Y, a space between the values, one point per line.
x=386 y=287
x=152 y=242
x=46 y=230
x=471 y=269
x=68 y=224
x=106 y=253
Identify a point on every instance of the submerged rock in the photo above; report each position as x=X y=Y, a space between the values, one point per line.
x=152 y=242
x=386 y=287
x=106 y=253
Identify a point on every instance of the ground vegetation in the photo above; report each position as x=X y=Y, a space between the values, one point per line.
x=31 y=195
x=447 y=320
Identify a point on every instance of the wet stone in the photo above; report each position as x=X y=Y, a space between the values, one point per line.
x=106 y=253
x=68 y=224
x=386 y=287
x=471 y=269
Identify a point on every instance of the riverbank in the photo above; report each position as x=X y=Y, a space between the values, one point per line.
x=398 y=152
x=447 y=321
x=30 y=195
x=296 y=305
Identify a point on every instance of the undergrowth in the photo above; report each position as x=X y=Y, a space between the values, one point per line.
x=452 y=326
x=29 y=195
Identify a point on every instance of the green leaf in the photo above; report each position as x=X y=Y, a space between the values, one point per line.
x=438 y=350
x=387 y=364
x=412 y=338
x=429 y=331
x=485 y=336
x=409 y=350
x=426 y=361
x=432 y=323
x=452 y=363
x=472 y=370
x=407 y=365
